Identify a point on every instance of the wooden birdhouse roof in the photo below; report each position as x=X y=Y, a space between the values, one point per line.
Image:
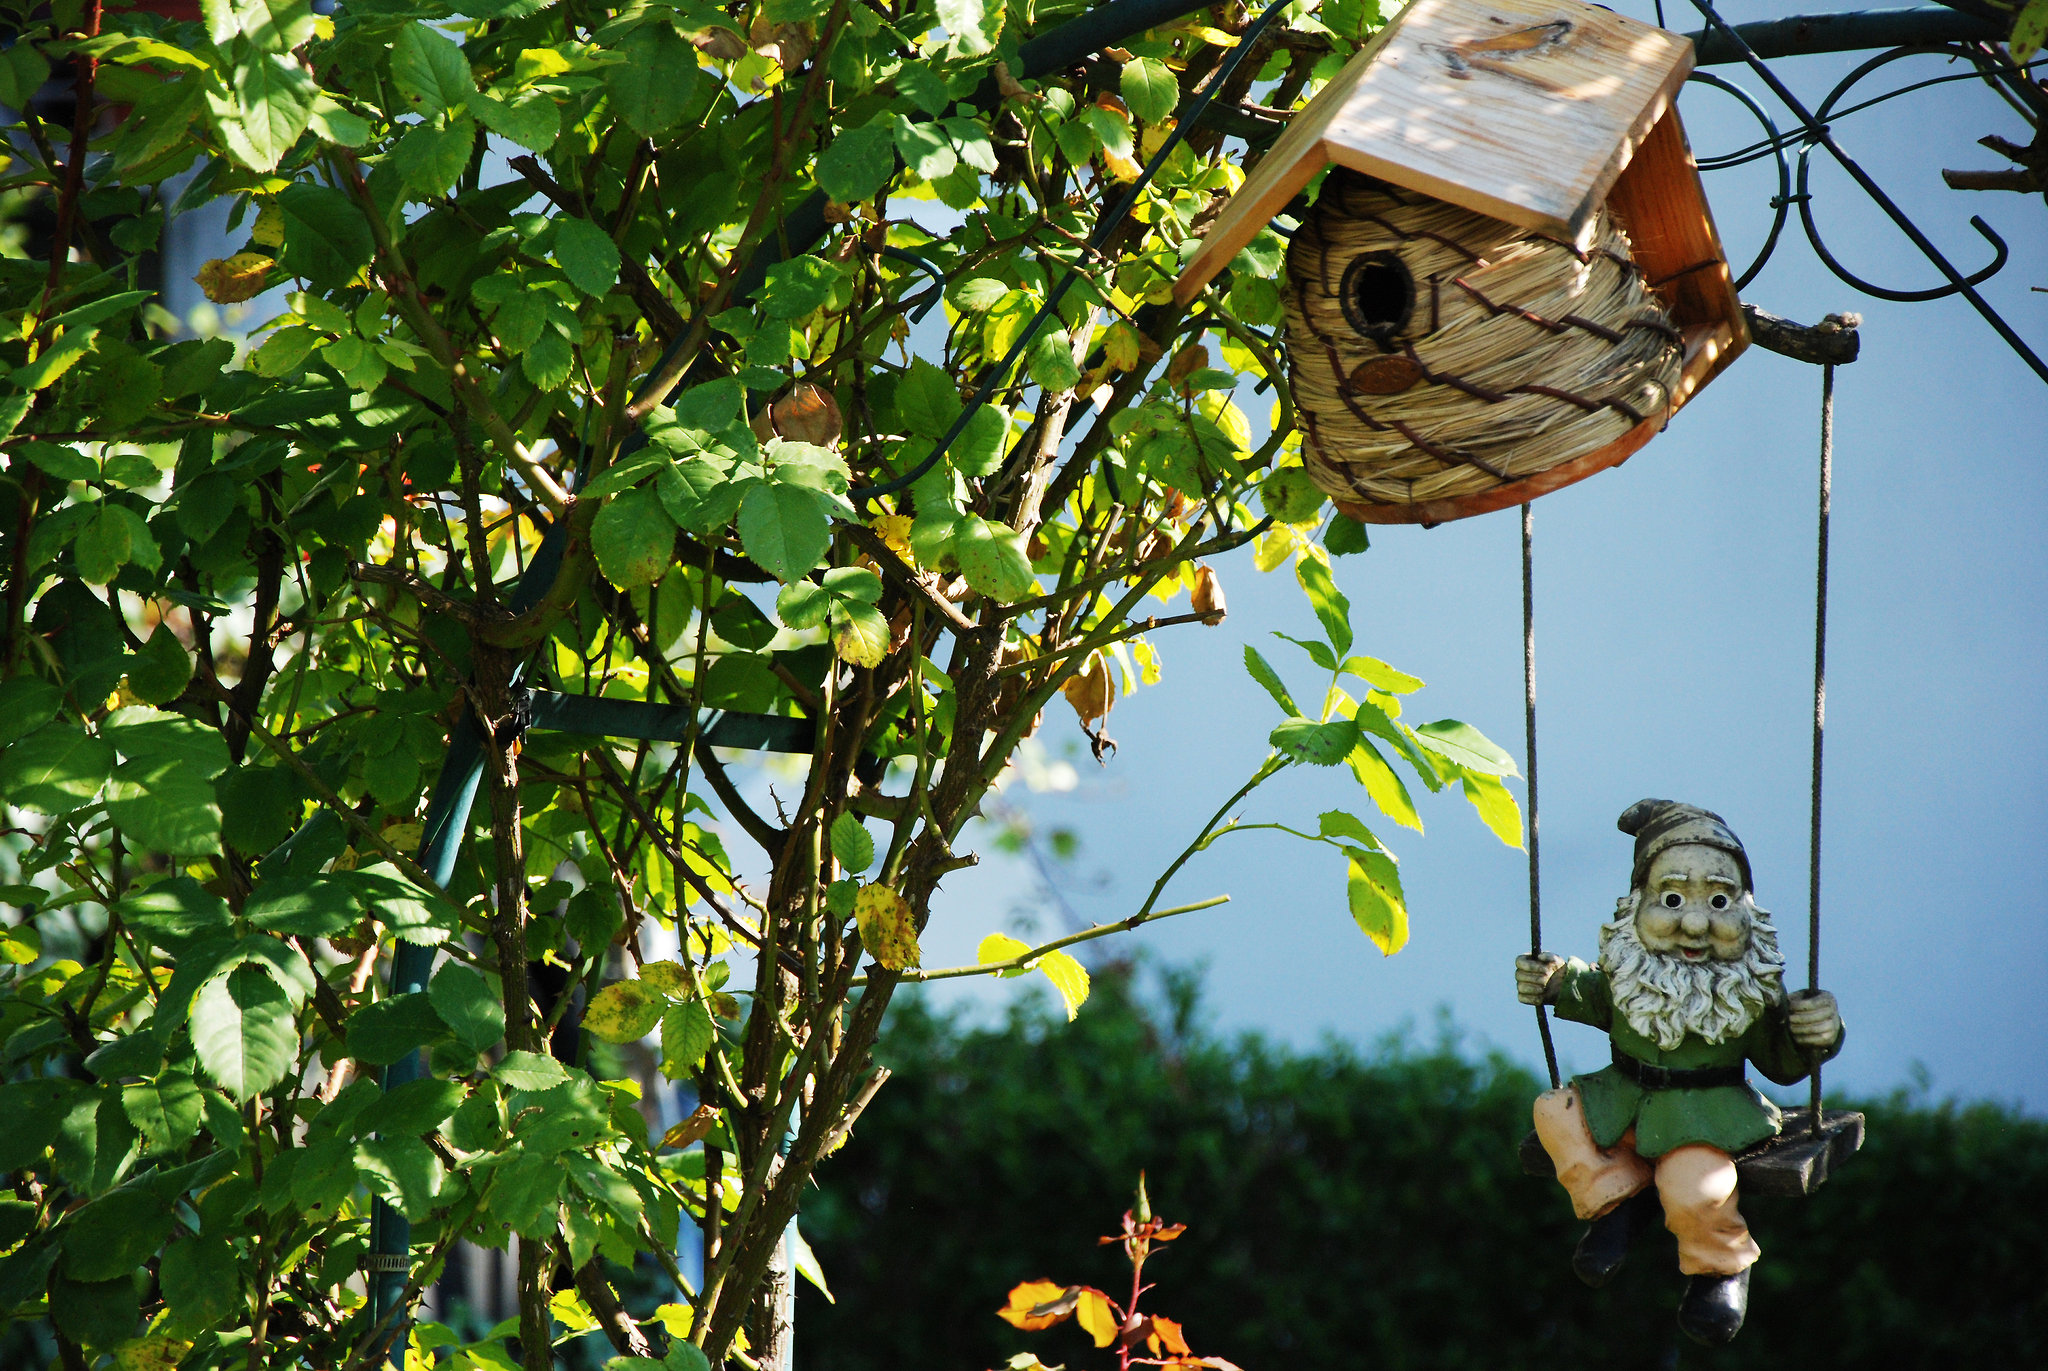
x=1525 y=110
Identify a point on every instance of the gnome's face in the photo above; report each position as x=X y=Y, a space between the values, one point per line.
x=1693 y=907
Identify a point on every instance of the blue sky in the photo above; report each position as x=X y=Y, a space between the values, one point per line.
x=1675 y=651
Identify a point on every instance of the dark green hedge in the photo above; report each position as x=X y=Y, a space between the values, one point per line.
x=1347 y=1210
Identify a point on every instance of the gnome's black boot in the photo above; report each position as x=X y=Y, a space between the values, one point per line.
x=1711 y=1312
x=1604 y=1246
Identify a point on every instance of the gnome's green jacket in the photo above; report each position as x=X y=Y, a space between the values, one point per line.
x=1730 y=1117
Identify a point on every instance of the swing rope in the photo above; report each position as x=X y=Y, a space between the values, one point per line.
x=1529 y=730
x=1820 y=706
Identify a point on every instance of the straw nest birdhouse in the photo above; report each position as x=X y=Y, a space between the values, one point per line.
x=1510 y=279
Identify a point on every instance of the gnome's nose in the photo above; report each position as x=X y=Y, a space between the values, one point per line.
x=1694 y=923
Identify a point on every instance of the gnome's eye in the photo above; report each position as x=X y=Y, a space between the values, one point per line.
x=1672 y=899
x=1719 y=902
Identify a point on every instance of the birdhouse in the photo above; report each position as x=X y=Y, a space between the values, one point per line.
x=1510 y=279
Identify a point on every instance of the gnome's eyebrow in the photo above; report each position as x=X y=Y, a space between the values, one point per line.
x=1723 y=880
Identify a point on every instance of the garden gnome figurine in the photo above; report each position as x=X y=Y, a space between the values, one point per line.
x=1690 y=986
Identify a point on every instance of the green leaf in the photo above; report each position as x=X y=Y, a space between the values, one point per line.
x=1077 y=140
x=272 y=105
x=56 y=460
x=1149 y=89
x=530 y=1071
x=686 y=1036
x=624 y=1011
x=326 y=239
x=1262 y=672
x=1324 y=744
x=652 y=89
x=165 y=1111
x=973 y=25
x=1465 y=745
x=1318 y=651
x=528 y=118
x=860 y=634
x=1051 y=362
x=1328 y=602
x=1291 y=497
x=1338 y=823
x=1383 y=784
x=259 y=807
x=464 y=1001
x=200 y=1279
x=784 y=529
x=858 y=163
x=114 y=1234
x=162 y=803
x=588 y=254
x=35 y=1110
x=993 y=559
x=594 y=917
x=26 y=704
x=411 y=1109
x=523 y=1193
x=634 y=539
x=103 y=546
x=176 y=911
x=387 y=1031
x=1377 y=905
x=982 y=445
x=243 y=1031
x=430 y=69
x=925 y=149
x=1345 y=536
x=852 y=844
x=802 y=604
x=1112 y=132
x=1380 y=676
x=547 y=362
x=55 y=769
x=2029 y=32
x=927 y=401
x=161 y=671
x=404 y=1171
x=432 y=157
x=799 y=286
x=1496 y=807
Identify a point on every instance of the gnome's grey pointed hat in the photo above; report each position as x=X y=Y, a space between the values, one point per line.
x=1657 y=825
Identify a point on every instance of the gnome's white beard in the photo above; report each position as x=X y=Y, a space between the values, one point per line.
x=1665 y=997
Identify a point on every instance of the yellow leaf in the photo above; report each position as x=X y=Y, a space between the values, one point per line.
x=894 y=530
x=1275 y=546
x=1214 y=37
x=1094 y=1314
x=569 y=1309
x=268 y=230
x=1070 y=978
x=1001 y=947
x=666 y=977
x=692 y=1129
x=1165 y=1336
x=675 y=1319
x=232 y=280
x=887 y=927
x=1121 y=345
x=1037 y=1304
x=624 y=1012
x=150 y=1354
x=1496 y=806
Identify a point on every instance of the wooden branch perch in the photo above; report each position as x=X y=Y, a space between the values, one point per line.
x=1831 y=342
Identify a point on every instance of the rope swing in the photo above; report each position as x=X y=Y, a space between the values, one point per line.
x=1789 y=1164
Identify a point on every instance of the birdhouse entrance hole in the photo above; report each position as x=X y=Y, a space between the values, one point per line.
x=1378 y=296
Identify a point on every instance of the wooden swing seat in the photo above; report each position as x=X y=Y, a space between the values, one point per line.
x=1793 y=1163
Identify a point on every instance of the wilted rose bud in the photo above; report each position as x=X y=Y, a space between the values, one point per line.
x=807 y=414
x=899 y=629
x=1091 y=691
x=1157 y=544
x=1187 y=362
x=1207 y=596
x=229 y=281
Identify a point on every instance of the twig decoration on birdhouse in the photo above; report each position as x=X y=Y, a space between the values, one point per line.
x=1509 y=279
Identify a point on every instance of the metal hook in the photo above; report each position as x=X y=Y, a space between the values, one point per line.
x=1781 y=202
x=1999 y=250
